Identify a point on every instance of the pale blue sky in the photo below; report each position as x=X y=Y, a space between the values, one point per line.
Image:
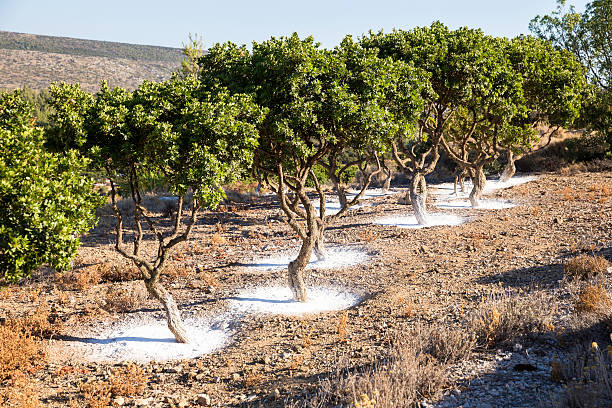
x=169 y=23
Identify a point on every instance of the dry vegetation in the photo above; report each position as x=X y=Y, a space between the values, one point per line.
x=37 y=70
x=436 y=300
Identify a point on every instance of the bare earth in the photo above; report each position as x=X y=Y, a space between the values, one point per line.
x=436 y=274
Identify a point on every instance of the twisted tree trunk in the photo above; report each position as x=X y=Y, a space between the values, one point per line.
x=479 y=179
x=296 y=270
x=175 y=323
x=509 y=169
x=319 y=247
x=418 y=198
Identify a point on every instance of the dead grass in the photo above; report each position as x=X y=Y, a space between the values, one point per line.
x=123 y=381
x=40 y=322
x=122 y=298
x=592 y=299
x=341 y=326
x=19 y=350
x=414 y=369
x=20 y=392
x=503 y=318
x=585 y=267
x=128 y=381
x=86 y=277
x=587 y=372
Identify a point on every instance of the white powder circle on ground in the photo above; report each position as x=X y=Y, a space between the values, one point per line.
x=152 y=341
x=410 y=221
x=333 y=207
x=279 y=300
x=371 y=193
x=484 y=204
x=447 y=189
x=335 y=257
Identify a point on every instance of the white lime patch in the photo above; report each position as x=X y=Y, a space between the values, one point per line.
x=410 y=221
x=152 y=341
x=335 y=258
x=446 y=190
x=484 y=204
x=279 y=300
x=371 y=193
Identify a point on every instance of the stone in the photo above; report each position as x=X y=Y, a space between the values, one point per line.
x=119 y=401
x=203 y=399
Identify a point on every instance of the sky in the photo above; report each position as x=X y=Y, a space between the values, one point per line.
x=169 y=23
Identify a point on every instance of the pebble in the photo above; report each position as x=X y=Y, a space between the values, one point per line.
x=203 y=399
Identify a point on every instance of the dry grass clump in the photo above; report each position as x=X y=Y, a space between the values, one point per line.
x=592 y=299
x=450 y=345
x=19 y=392
x=122 y=298
x=20 y=355
x=501 y=319
x=415 y=369
x=19 y=350
x=85 y=278
x=587 y=372
x=124 y=381
x=585 y=267
x=39 y=323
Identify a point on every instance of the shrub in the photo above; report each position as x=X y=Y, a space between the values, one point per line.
x=592 y=299
x=501 y=319
x=585 y=267
x=588 y=372
x=589 y=146
x=414 y=369
x=19 y=350
x=45 y=203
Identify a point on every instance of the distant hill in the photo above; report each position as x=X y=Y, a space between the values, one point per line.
x=37 y=60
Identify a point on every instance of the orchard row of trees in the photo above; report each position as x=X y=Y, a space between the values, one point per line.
x=296 y=115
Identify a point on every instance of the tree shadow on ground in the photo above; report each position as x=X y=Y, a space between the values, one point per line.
x=542 y=275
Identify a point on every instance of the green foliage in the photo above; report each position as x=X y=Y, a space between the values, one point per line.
x=175 y=131
x=587 y=35
x=320 y=103
x=45 y=203
x=589 y=146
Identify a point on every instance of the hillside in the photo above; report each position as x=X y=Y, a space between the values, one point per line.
x=36 y=61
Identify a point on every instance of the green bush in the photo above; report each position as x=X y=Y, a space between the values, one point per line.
x=45 y=203
x=589 y=146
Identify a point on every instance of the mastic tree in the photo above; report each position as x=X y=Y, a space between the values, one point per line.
x=553 y=84
x=195 y=137
x=450 y=59
x=325 y=109
x=45 y=201
x=473 y=135
x=587 y=35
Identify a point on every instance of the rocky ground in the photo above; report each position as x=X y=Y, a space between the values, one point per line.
x=436 y=275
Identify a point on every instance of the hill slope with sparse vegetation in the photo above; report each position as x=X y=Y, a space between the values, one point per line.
x=35 y=61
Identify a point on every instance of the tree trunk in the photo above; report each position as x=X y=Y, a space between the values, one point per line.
x=462 y=181
x=175 y=323
x=387 y=183
x=319 y=248
x=479 y=181
x=296 y=270
x=418 y=198
x=510 y=168
x=341 y=195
